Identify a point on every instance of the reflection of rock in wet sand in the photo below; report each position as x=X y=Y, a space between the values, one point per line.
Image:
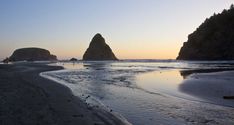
x=186 y=73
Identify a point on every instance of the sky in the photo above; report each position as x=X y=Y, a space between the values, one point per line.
x=134 y=29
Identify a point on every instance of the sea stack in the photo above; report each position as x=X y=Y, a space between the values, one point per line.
x=32 y=54
x=98 y=50
x=213 y=39
x=73 y=59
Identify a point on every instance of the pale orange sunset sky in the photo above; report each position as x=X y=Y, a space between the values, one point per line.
x=134 y=29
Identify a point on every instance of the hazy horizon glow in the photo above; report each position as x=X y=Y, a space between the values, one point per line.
x=134 y=29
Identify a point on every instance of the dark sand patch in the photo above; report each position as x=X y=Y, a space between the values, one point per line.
x=27 y=98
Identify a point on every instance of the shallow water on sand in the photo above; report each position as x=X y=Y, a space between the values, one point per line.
x=145 y=92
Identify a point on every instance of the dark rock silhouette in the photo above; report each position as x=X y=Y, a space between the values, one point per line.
x=73 y=59
x=213 y=39
x=32 y=54
x=99 y=50
x=6 y=60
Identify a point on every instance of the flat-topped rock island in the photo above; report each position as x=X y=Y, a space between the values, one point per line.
x=32 y=54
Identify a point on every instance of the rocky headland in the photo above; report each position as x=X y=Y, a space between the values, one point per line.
x=212 y=40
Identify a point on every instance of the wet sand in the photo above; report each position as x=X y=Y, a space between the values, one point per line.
x=211 y=87
x=142 y=96
x=27 y=98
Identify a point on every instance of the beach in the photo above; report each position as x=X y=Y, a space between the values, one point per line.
x=117 y=62
x=115 y=93
x=152 y=92
x=212 y=87
x=27 y=98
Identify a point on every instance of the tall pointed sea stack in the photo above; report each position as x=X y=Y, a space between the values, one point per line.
x=213 y=39
x=98 y=50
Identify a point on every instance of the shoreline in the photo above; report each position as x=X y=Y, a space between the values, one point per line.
x=212 y=90
x=191 y=84
x=45 y=101
x=132 y=102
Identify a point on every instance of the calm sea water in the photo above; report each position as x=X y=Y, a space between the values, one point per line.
x=145 y=92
